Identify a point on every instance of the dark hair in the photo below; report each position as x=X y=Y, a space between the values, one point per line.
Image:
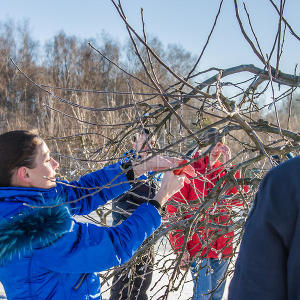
x=211 y=135
x=17 y=148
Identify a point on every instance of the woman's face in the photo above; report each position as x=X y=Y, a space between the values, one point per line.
x=43 y=174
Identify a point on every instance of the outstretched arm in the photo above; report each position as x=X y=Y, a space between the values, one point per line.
x=87 y=248
x=96 y=188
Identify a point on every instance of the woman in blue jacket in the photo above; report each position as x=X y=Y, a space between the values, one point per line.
x=44 y=252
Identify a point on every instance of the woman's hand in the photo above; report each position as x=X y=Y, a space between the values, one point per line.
x=142 y=145
x=156 y=163
x=218 y=150
x=170 y=185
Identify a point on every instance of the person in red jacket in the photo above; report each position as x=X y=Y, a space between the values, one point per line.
x=205 y=248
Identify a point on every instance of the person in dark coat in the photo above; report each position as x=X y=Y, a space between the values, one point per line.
x=135 y=285
x=268 y=264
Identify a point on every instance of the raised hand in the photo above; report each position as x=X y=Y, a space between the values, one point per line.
x=170 y=185
x=142 y=144
x=156 y=163
x=218 y=150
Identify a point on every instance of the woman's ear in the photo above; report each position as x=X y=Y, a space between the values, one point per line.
x=21 y=177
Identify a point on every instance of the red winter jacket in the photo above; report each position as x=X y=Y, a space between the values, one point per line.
x=193 y=194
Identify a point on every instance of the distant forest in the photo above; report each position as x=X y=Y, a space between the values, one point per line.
x=70 y=63
x=64 y=87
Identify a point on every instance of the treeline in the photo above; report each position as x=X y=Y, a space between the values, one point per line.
x=70 y=63
x=76 y=71
x=80 y=91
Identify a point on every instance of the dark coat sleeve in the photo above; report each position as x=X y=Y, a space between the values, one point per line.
x=268 y=264
x=124 y=205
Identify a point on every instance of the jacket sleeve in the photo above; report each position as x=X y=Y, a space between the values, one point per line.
x=270 y=231
x=94 y=189
x=88 y=248
x=176 y=237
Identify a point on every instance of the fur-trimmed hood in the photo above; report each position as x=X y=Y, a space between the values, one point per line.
x=54 y=271
x=23 y=228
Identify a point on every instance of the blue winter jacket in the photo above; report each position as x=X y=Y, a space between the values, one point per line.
x=46 y=254
x=268 y=265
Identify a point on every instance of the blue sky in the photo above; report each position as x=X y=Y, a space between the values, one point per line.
x=183 y=22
